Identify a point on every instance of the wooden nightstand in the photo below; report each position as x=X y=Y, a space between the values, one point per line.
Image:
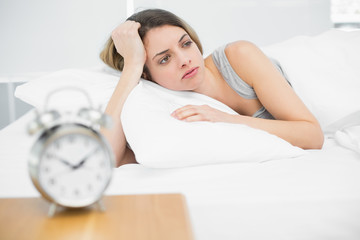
x=128 y=217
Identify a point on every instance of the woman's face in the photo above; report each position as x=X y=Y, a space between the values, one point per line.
x=173 y=59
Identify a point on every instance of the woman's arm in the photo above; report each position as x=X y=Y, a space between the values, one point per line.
x=115 y=135
x=129 y=45
x=294 y=122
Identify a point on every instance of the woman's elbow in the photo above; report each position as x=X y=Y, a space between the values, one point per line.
x=125 y=157
x=319 y=142
x=315 y=138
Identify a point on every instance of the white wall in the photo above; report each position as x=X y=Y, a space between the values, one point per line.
x=260 y=21
x=46 y=35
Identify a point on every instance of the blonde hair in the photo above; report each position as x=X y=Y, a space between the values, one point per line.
x=150 y=18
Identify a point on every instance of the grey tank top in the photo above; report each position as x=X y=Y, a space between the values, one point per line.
x=239 y=85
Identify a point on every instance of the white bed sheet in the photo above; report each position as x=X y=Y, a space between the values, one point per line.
x=316 y=196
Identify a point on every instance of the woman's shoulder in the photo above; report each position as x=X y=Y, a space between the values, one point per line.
x=240 y=48
x=234 y=53
x=244 y=57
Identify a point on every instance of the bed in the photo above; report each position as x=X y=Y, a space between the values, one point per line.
x=312 y=194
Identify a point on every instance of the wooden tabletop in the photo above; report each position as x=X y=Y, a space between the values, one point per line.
x=130 y=217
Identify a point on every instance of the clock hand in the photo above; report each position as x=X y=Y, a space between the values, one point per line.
x=64 y=161
x=85 y=158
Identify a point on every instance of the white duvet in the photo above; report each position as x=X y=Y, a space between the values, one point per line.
x=314 y=196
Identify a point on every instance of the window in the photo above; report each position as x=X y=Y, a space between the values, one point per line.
x=345 y=14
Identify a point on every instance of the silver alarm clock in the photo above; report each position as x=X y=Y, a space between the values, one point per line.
x=70 y=162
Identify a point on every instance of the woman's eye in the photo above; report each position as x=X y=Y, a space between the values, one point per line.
x=164 y=59
x=187 y=43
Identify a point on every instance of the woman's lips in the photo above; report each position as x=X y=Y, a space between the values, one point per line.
x=192 y=72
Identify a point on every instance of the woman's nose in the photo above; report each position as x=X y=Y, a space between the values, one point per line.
x=185 y=60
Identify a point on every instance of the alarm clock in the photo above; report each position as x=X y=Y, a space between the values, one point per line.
x=70 y=162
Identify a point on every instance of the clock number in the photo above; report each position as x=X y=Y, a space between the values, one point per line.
x=71 y=138
x=49 y=156
x=76 y=192
x=52 y=181
x=46 y=169
x=98 y=177
x=102 y=163
x=57 y=145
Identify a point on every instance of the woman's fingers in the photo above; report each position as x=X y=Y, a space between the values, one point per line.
x=128 y=42
x=191 y=113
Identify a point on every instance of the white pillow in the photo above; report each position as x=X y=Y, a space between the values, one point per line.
x=161 y=141
x=325 y=72
x=98 y=83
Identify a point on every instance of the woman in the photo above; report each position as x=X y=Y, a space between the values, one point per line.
x=158 y=46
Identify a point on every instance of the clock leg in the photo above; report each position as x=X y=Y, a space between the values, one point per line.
x=100 y=206
x=52 y=209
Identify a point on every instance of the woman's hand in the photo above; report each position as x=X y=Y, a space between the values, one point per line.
x=128 y=43
x=193 y=113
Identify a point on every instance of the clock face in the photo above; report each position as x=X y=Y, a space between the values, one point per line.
x=74 y=166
